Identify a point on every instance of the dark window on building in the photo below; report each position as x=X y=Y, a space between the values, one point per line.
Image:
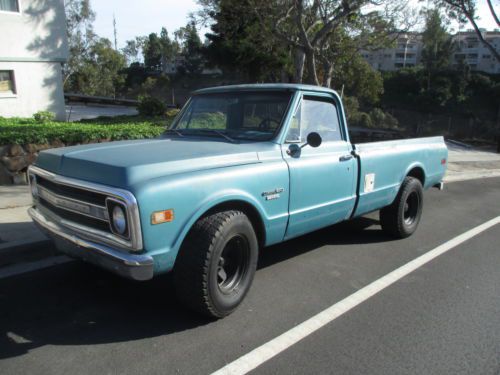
x=7 y=83
x=9 y=5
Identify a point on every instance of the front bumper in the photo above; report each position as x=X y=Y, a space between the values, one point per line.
x=136 y=267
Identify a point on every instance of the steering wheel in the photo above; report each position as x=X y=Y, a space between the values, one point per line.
x=264 y=124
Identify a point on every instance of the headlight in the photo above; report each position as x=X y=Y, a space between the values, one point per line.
x=119 y=220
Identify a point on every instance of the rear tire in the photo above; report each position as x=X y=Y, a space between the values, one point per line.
x=216 y=264
x=401 y=218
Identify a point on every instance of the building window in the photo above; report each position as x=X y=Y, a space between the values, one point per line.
x=9 y=6
x=7 y=83
x=486 y=56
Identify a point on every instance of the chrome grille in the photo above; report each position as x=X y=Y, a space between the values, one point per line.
x=81 y=206
x=69 y=204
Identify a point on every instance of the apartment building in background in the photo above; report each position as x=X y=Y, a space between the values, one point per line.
x=407 y=52
x=33 y=45
x=474 y=53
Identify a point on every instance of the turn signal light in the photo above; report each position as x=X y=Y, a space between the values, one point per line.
x=443 y=161
x=165 y=216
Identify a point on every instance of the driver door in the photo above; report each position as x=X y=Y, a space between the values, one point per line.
x=322 y=179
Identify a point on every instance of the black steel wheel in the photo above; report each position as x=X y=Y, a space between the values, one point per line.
x=401 y=218
x=216 y=264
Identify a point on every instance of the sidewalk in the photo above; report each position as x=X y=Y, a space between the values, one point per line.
x=20 y=240
x=467 y=164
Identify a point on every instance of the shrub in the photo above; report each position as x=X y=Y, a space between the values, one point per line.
x=44 y=116
x=24 y=131
x=383 y=120
x=149 y=106
x=365 y=120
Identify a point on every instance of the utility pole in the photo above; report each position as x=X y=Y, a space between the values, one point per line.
x=114 y=32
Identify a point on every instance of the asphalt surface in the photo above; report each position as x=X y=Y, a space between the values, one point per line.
x=444 y=318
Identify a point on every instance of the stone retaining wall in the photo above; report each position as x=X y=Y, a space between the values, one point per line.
x=15 y=159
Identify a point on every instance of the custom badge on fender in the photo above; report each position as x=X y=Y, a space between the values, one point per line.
x=274 y=194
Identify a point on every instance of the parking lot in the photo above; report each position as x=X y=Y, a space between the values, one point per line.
x=442 y=318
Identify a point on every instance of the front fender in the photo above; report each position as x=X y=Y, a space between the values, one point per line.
x=192 y=195
x=215 y=200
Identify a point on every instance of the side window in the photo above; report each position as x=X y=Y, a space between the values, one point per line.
x=315 y=115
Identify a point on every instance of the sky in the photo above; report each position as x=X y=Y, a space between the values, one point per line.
x=136 y=18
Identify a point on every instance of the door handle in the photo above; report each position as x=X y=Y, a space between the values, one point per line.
x=345 y=158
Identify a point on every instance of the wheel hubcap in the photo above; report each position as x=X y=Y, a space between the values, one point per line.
x=411 y=208
x=232 y=264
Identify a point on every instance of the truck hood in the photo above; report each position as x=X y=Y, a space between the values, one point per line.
x=126 y=163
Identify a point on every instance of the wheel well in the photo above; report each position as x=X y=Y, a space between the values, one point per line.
x=418 y=173
x=249 y=210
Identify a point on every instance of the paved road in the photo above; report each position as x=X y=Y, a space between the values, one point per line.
x=444 y=318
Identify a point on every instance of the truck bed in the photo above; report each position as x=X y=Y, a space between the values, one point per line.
x=382 y=167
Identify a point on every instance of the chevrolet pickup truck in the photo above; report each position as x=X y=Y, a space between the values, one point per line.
x=240 y=168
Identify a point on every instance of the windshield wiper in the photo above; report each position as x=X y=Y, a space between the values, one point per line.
x=174 y=131
x=218 y=132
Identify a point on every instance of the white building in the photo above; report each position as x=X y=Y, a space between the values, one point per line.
x=473 y=52
x=33 y=45
x=408 y=52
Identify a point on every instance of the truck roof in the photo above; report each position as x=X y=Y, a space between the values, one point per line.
x=264 y=87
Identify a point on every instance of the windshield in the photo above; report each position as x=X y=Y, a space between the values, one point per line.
x=246 y=115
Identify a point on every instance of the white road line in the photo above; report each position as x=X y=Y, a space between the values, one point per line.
x=265 y=352
x=18 y=269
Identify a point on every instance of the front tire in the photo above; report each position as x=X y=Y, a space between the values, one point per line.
x=401 y=218
x=216 y=264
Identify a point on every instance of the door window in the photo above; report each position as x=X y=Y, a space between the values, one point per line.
x=315 y=115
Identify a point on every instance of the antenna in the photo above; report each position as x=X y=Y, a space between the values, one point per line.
x=114 y=32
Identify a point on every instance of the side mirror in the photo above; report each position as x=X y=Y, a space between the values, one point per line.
x=314 y=139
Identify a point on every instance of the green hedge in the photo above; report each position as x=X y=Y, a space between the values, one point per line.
x=25 y=131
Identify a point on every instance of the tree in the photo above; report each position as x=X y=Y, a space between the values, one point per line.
x=437 y=43
x=133 y=49
x=170 y=48
x=80 y=32
x=101 y=70
x=236 y=42
x=438 y=48
x=308 y=25
x=191 y=46
x=152 y=51
x=466 y=10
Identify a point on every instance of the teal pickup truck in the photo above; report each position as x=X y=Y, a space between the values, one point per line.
x=241 y=168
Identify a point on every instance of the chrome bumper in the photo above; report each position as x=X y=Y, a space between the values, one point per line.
x=136 y=267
